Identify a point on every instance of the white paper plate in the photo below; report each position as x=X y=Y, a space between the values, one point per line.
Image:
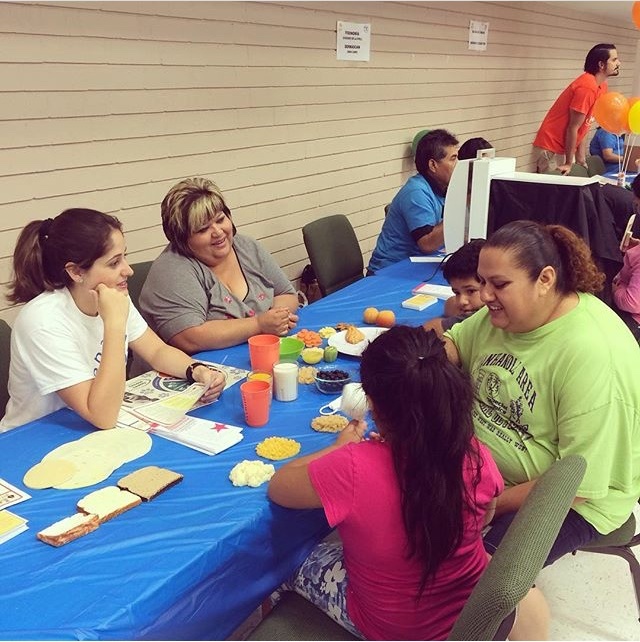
x=354 y=349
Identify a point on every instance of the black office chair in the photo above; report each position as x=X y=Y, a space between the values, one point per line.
x=334 y=252
x=489 y=613
x=5 y=354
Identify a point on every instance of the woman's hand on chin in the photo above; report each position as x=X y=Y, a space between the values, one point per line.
x=112 y=304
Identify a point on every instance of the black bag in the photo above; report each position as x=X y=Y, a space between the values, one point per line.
x=309 y=284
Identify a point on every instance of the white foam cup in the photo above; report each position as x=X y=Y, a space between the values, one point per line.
x=285 y=381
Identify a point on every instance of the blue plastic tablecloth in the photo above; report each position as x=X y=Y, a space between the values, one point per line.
x=197 y=560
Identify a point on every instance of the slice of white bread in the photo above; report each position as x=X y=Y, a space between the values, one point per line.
x=68 y=529
x=108 y=502
x=149 y=481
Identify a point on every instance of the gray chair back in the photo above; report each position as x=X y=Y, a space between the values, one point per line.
x=595 y=165
x=5 y=358
x=134 y=285
x=578 y=170
x=334 y=252
x=136 y=281
x=521 y=554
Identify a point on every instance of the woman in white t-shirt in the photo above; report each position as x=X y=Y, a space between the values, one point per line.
x=69 y=343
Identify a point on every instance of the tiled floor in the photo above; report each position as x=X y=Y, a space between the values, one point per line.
x=591 y=597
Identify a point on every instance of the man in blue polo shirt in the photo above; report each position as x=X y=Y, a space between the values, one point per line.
x=413 y=224
x=610 y=147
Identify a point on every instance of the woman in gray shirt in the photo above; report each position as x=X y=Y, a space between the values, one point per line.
x=211 y=287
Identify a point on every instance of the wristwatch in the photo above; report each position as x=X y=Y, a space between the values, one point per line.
x=188 y=375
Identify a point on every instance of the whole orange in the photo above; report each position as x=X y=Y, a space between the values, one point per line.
x=370 y=315
x=386 y=318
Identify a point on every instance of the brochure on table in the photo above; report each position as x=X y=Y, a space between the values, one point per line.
x=439 y=291
x=10 y=495
x=158 y=403
x=209 y=437
x=10 y=523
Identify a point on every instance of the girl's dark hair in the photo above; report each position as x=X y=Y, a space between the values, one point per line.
x=422 y=404
x=43 y=249
x=535 y=246
x=470 y=148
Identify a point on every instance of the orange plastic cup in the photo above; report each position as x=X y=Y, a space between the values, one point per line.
x=264 y=351
x=262 y=375
x=256 y=401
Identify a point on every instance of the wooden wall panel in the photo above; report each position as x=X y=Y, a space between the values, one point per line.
x=108 y=104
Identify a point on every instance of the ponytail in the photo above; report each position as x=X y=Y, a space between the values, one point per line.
x=29 y=279
x=44 y=248
x=581 y=273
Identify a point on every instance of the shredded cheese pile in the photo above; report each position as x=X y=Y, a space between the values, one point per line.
x=278 y=448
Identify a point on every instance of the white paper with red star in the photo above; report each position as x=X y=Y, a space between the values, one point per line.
x=209 y=437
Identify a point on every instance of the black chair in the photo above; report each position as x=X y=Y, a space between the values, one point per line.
x=489 y=613
x=334 y=252
x=5 y=354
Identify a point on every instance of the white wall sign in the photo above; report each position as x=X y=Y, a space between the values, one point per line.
x=478 y=35
x=353 y=41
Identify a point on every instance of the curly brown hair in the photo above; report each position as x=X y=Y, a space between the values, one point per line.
x=536 y=246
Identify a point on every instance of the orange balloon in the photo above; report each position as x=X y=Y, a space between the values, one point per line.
x=612 y=112
x=635 y=14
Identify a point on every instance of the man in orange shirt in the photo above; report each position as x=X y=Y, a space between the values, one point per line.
x=561 y=139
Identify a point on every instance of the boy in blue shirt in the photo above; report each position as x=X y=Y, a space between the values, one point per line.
x=610 y=147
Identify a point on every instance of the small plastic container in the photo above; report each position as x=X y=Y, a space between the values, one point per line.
x=290 y=348
x=330 y=380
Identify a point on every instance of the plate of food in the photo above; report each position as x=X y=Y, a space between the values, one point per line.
x=354 y=340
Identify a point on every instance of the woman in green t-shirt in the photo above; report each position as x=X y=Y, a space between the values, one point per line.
x=555 y=372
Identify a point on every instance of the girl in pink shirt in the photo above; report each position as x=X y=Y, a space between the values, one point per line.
x=409 y=502
x=626 y=284
x=626 y=287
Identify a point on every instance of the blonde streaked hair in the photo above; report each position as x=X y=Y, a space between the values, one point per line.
x=188 y=207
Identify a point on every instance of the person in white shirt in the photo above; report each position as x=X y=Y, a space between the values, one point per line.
x=69 y=343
